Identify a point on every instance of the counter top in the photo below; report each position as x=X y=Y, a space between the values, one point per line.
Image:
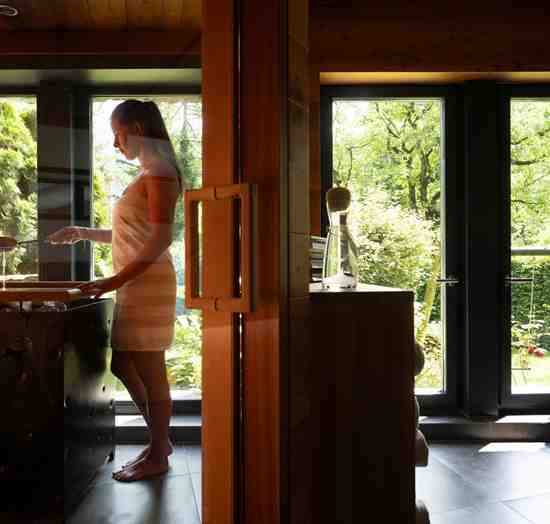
x=37 y=294
x=362 y=292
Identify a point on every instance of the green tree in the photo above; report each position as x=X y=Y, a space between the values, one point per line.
x=530 y=175
x=17 y=183
x=394 y=146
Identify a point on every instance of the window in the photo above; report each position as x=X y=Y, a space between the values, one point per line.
x=111 y=173
x=452 y=199
x=18 y=184
x=389 y=147
x=527 y=172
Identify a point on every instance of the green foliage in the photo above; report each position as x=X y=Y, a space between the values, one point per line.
x=394 y=245
x=530 y=181
x=388 y=153
x=393 y=146
x=539 y=269
x=431 y=374
x=183 y=360
x=18 y=216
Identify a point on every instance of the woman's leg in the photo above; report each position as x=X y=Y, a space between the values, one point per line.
x=151 y=368
x=123 y=367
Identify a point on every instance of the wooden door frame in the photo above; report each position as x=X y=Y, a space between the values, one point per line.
x=220 y=356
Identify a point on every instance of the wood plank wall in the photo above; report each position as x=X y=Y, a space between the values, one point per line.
x=274 y=155
x=490 y=37
x=219 y=350
x=262 y=145
x=301 y=423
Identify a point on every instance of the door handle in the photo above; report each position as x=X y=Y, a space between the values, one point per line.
x=518 y=280
x=243 y=302
x=451 y=280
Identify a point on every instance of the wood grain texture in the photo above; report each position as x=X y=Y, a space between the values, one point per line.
x=345 y=40
x=263 y=105
x=219 y=371
x=107 y=14
x=363 y=406
x=104 y=15
x=77 y=15
x=298 y=178
x=173 y=11
x=314 y=151
x=144 y=14
x=192 y=14
x=172 y=43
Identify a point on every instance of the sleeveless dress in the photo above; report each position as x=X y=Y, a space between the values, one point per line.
x=145 y=308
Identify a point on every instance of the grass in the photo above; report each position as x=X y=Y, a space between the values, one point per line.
x=537 y=376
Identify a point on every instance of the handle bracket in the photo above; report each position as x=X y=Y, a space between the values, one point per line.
x=242 y=303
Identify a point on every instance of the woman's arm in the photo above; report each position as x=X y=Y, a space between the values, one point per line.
x=103 y=236
x=72 y=234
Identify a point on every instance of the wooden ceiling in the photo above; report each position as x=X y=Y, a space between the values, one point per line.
x=101 y=15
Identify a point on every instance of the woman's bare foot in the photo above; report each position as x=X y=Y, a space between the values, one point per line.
x=145 y=453
x=148 y=467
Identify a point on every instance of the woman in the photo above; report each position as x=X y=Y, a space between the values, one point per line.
x=144 y=276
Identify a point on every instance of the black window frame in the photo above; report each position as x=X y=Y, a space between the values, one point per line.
x=452 y=185
x=514 y=403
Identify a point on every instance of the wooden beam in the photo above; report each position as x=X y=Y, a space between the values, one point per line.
x=126 y=43
x=350 y=41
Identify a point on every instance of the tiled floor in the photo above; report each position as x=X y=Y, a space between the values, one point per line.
x=463 y=484
x=171 y=499
x=486 y=483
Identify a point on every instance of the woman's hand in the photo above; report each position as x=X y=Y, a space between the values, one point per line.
x=67 y=235
x=96 y=288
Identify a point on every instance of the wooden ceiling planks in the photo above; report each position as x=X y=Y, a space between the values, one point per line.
x=77 y=15
x=105 y=14
x=192 y=14
x=101 y=15
x=144 y=14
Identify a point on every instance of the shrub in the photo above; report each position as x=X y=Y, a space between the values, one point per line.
x=183 y=360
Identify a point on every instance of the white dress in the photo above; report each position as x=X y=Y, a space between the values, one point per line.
x=145 y=308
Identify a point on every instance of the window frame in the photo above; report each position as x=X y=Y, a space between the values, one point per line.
x=79 y=263
x=452 y=225
x=514 y=403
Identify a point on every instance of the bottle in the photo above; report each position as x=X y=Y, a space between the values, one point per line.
x=340 y=257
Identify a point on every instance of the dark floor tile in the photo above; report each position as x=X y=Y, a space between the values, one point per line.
x=501 y=475
x=441 y=489
x=163 y=500
x=493 y=513
x=536 y=509
x=194 y=458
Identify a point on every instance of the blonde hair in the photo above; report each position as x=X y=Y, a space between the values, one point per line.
x=147 y=118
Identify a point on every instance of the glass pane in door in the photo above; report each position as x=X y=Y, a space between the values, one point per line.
x=388 y=152
x=18 y=186
x=530 y=241
x=111 y=174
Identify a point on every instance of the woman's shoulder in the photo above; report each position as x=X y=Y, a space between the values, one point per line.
x=162 y=171
x=160 y=168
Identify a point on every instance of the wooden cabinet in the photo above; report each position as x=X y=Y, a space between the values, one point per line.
x=363 y=404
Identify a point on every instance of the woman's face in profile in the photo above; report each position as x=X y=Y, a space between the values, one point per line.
x=125 y=141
